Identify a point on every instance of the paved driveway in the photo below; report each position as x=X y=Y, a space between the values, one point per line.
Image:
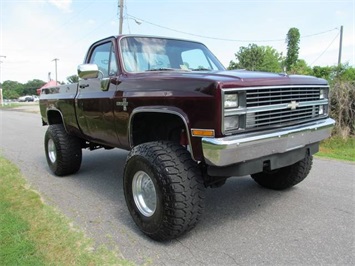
x=312 y=223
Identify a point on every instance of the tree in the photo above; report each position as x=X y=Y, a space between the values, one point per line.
x=254 y=57
x=30 y=88
x=323 y=72
x=12 y=89
x=73 y=79
x=343 y=72
x=292 y=40
x=301 y=68
x=272 y=60
x=250 y=57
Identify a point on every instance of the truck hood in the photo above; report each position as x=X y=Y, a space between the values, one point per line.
x=239 y=78
x=206 y=82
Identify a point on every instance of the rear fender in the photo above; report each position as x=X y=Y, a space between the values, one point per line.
x=54 y=116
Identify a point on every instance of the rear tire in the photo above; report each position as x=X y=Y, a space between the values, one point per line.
x=63 y=151
x=164 y=190
x=285 y=177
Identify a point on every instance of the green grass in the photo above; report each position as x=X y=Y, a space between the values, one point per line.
x=33 y=233
x=15 y=246
x=10 y=105
x=338 y=148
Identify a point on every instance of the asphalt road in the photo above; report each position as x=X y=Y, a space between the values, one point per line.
x=310 y=224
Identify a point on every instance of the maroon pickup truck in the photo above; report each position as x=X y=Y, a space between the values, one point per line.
x=188 y=122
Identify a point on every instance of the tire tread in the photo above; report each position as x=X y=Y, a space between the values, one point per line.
x=69 y=153
x=181 y=181
x=285 y=177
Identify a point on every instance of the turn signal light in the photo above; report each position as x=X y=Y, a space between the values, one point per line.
x=202 y=132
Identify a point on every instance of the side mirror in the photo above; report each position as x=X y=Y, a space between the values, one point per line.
x=88 y=71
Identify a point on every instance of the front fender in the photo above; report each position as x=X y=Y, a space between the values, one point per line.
x=166 y=110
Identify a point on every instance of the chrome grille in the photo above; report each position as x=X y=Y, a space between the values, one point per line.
x=281 y=117
x=272 y=106
x=279 y=95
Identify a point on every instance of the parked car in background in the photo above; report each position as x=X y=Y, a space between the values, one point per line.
x=28 y=98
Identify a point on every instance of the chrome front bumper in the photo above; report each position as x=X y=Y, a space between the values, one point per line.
x=244 y=147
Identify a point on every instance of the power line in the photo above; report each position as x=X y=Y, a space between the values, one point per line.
x=326 y=49
x=224 y=39
x=86 y=35
x=68 y=21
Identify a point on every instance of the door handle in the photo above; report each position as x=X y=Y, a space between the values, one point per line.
x=83 y=86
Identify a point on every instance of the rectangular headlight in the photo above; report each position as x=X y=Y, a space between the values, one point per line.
x=323 y=94
x=231 y=122
x=321 y=109
x=230 y=100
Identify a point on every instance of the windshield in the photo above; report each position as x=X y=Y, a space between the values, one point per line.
x=157 y=54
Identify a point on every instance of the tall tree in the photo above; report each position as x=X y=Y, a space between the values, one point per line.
x=254 y=57
x=293 y=41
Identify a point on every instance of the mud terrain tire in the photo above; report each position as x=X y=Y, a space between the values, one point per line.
x=63 y=151
x=285 y=177
x=164 y=190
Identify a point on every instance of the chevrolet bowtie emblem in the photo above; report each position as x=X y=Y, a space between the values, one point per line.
x=293 y=105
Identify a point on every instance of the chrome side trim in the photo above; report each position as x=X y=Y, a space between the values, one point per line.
x=240 y=148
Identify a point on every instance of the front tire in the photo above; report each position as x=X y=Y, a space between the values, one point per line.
x=63 y=151
x=285 y=177
x=164 y=190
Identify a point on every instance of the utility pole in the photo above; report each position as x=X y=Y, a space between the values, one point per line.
x=1 y=96
x=121 y=16
x=55 y=63
x=340 y=45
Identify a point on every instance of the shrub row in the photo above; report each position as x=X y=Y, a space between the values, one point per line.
x=342 y=107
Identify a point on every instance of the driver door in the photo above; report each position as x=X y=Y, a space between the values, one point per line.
x=94 y=102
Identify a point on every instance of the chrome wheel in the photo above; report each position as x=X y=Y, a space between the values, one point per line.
x=144 y=193
x=52 y=152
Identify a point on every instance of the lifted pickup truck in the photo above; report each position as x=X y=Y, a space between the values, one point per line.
x=188 y=123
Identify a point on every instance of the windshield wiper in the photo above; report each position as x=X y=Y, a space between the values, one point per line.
x=201 y=69
x=162 y=69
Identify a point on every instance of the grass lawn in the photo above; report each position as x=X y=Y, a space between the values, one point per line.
x=338 y=148
x=10 y=105
x=33 y=233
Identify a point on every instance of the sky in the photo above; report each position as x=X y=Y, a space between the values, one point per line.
x=34 y=32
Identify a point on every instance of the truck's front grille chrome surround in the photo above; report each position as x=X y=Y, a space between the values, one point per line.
x=265 y=107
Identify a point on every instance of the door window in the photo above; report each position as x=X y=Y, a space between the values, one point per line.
x=104 y=57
